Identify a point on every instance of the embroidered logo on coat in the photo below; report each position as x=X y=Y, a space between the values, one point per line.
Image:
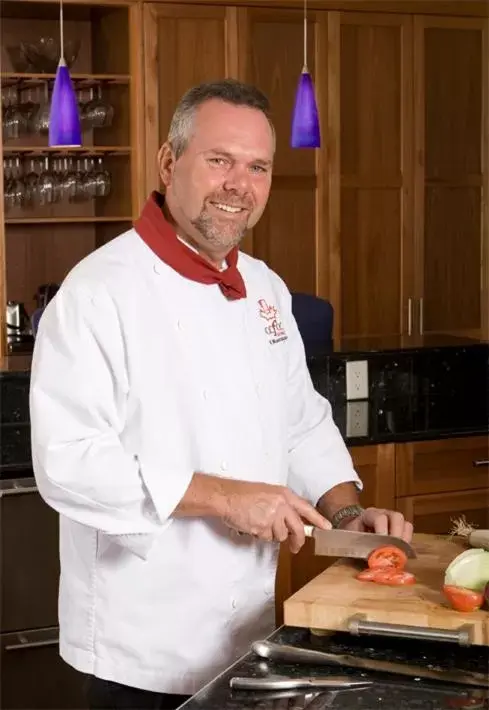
x=274 y=329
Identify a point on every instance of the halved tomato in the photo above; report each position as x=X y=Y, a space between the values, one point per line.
x=463 y=599
x=387 y=556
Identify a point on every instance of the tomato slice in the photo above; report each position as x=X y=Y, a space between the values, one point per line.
x=387 y=556
x=463 y=599
x=366 y=575
x=396 y=578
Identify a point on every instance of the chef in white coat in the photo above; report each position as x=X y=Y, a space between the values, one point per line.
x=172 y=411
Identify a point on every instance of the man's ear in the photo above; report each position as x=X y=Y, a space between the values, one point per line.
x=166 y=164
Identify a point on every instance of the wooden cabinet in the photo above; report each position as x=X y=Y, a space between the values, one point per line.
x=376 y=149
x=430 y=482
x=451 y=60
x=60 y=204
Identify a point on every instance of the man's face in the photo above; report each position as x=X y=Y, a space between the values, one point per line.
x=219 y=187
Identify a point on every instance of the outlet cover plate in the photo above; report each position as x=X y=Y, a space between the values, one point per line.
x=356 y=419
x=357 y=379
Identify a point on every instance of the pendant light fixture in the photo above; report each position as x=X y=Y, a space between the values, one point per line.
x=64 y=116
x=305 y=120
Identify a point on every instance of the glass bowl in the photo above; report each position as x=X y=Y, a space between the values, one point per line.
x=43 y=55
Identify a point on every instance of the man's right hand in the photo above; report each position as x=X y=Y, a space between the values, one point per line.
x=269 y=512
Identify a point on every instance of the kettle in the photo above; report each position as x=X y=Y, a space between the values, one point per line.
x=17 y=320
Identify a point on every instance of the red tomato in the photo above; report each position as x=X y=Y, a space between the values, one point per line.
x=387 y=556
x=367 y=575
x=396 y=578
x=463 y=599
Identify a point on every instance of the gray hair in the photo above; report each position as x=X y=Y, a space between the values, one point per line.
x=229 y=90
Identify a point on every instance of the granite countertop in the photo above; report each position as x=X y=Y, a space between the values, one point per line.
x=388 y=691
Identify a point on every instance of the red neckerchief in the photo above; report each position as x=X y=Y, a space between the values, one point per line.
x=161 y=237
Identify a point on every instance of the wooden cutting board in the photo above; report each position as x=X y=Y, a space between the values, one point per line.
x=332 y=598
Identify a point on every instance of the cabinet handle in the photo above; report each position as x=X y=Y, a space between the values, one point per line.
x=421 y=316
x=17 y=486
x=410 y=316
x=482 y=462
x=30 y=639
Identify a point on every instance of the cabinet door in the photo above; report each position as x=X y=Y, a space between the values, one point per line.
x=434 y=513
x=375 y=466
x=35 y=676
x=271 y=54
x=376 y=173
x=452 y=145
x=183 y=46
x=29 y=557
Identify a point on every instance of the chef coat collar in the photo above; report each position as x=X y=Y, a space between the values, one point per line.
x=162 y=239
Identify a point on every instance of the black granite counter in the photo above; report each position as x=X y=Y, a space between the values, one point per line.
x=388 y=691
x=434 y=389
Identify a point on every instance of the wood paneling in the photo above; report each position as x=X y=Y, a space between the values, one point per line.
x=376 y=140
x=43 y=253
x=285 y=236
x=184 y=45
x=434 y=513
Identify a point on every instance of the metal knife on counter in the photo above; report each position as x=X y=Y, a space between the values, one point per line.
x=349 y=543
x=292 y=654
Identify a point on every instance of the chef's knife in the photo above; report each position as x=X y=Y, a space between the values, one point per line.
x=280 y=682
x=349 y=543
x=293 y=654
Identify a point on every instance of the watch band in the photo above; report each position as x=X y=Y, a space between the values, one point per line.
x=348 y=512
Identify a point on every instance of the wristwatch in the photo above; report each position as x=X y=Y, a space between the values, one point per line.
x=349 y=512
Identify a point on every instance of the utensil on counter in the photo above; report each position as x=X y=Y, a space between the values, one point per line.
x=282 y=682
x=294 y=654
x=349 y=543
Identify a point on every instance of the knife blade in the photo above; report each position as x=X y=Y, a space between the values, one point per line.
x=350 y=543
x=279 y=682
x=294 y=654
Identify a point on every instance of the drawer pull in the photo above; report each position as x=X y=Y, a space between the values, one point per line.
x=482 y=462
x=18 y=486
x=31 y=639
x=463 y=635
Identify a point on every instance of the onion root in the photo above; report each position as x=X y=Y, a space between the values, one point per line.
x=475 y=538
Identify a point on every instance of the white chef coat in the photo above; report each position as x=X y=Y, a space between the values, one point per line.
x=141 y=377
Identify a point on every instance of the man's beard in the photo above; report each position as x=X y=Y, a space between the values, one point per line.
x=225 y=233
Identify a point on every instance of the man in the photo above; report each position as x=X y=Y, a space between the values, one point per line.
x=175 y=427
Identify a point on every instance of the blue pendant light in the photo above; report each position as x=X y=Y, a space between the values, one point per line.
x=305 y=120
x=64 y=116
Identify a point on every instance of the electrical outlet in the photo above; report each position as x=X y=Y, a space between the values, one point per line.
x=356 y=419
x=357 y=379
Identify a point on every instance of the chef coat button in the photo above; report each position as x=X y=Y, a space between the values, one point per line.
x=234 y=603
x=205 y=394
x=258 y=390
x=224 y=466
x=179 y=325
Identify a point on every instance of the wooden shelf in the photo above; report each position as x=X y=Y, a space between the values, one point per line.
x=84 y=150
x=60 y=220
x=11 y=78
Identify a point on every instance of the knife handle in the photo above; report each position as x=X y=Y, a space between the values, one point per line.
x=308 y=530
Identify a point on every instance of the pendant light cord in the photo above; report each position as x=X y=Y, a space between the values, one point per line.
x=305 y=37
x=61 y=31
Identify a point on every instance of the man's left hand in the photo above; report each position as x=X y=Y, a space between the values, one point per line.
x=383 y=522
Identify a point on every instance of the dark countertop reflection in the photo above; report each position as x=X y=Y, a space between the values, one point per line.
x=387 y=691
